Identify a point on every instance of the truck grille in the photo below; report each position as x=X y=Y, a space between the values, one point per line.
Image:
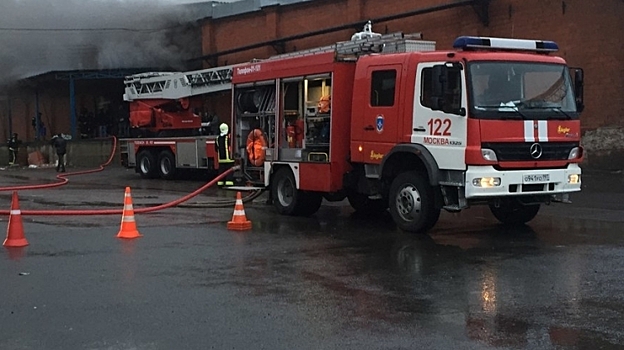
x=520 y=151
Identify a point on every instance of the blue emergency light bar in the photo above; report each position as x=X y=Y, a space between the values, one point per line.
x=477 y=42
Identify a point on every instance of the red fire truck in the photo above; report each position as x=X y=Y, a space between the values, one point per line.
x=388 y=122
x=168 y=134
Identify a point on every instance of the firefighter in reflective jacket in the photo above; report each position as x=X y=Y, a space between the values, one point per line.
x=222 y=146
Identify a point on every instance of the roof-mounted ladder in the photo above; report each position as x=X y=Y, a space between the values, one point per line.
x=170 y=85
x=352 y=49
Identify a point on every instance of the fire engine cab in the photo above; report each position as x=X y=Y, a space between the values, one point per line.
x=388 y=122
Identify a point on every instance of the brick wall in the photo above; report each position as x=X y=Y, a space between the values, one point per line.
x=589 y=34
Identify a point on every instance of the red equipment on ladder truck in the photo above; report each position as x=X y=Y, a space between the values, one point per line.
x=391 y=123
x=161 y=114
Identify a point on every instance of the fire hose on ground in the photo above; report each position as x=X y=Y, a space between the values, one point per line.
x=217 y=204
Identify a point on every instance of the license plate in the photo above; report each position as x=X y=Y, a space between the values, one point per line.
x=536 y=178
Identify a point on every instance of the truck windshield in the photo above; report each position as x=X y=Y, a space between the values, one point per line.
x=521 y=90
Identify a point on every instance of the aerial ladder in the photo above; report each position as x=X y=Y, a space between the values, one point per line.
x=176 y=85
x=160 y=102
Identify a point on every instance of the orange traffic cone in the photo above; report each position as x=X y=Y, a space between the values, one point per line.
x=15 y=231
x=128 y=228
x=239 y=220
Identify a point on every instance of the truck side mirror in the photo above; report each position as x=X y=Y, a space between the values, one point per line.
x=446 y=88
x=438 y=86
x=578 y=88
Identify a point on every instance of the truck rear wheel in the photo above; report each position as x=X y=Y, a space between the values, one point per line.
x=284 y=192
x=146 y=164
x=288 y=200
x=412 y=204
x=512 y=212
x=166 y=165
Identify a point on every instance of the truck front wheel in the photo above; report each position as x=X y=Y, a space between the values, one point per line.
x=146 y=164
x=166 y=165
x=412 y=204
x=512 y=212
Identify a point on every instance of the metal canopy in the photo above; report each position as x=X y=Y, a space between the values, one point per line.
x=97 y=74
x=72 y=76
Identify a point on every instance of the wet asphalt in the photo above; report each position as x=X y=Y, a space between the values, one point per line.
x=336 y=280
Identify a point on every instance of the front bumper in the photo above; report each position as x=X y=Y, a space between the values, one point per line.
x=522 y=182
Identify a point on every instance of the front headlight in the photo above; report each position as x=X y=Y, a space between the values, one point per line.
x=575 y=153
x=574 y=179
x=486 y=182
x=488 y=154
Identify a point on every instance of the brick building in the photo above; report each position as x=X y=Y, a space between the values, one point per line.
x=589 y=33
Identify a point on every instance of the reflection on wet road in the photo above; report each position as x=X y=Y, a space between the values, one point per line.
x=336 y=280
x=472 y=278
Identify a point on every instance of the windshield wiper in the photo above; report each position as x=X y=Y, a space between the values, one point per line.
x=519 y=113
x=548 y=106
x=506 y=108
x=560 y=110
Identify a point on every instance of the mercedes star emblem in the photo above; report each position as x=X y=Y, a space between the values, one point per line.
x=535 y=150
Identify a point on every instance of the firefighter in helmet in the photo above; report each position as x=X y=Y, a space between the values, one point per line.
x=222 y=146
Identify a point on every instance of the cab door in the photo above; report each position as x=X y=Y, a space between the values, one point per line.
x=376 y=113
x=444 y=134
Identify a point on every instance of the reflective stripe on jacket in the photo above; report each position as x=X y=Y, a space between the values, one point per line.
x=222 y=145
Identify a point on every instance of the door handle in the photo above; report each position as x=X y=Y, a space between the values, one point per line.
x=420 y=129
x=369 y=128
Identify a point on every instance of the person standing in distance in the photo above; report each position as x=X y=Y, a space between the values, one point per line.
x=222 y=146
x=60 y=144
x=13 y=144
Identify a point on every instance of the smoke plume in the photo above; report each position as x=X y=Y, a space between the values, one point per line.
x=37 y=36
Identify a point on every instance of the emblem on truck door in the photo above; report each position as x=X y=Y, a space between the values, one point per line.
x=535 y=150
x=379 y=122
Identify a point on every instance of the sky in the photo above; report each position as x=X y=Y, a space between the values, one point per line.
x=37 y=36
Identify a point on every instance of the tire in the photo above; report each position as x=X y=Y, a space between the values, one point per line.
x=361 y=203
x=284 y=192
x=146 y=164
x=412 y=203
x=288 y=200
x=513 y=212
x=166 y=165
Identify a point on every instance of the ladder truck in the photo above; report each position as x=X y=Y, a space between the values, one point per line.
x=390 y=123
x=167 y=130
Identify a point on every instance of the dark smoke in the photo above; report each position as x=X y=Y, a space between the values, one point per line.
x=37 y=36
